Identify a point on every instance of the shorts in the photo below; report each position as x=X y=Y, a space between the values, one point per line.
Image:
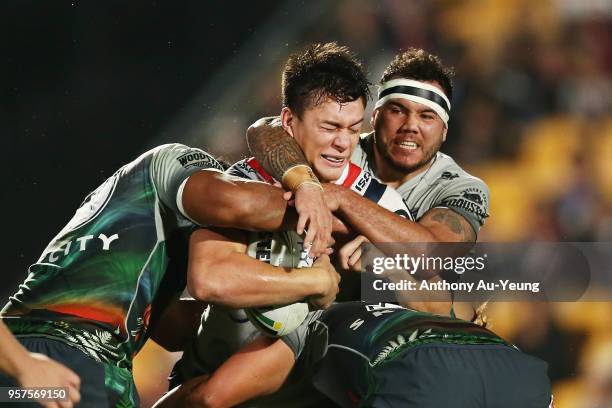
x=102 y=385
x=461 y=376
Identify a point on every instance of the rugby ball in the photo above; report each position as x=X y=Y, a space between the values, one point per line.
x=283 y=249
x=278 y=321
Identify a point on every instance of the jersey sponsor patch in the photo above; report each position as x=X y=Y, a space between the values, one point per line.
x=242 y=169
x=447 y=175
x=471 y=199
x=197 y=158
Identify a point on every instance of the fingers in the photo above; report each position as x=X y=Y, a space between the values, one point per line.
x=350 y=253
x=344 y=255
x=287 y=195
x=75 y=395
x=332 y=281
x=324 y=238
x=65 y=404
x=314 y=219
x=301 y=225
x=354 y=259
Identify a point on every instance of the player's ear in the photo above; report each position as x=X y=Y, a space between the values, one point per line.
x=444 y=132
x=374 y=116
x=287 y=119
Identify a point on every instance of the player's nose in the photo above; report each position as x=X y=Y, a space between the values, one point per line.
x=342 y=141
x=410 y=124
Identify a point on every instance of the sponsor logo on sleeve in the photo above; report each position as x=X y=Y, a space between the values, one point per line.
x=196 y=158
x=244 y=170
x=447 y=175
x=472 y=200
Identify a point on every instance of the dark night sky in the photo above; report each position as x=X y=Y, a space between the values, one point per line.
x=85 y=86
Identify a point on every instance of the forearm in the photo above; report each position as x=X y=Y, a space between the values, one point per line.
x=259 y=369
x=273 y=147
x=376 y=223
x=217 y=200
x=239 y=281
x=436 y=302
x=12 y=353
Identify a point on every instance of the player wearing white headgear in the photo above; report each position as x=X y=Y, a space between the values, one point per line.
x=324 y=92
x=410 y=123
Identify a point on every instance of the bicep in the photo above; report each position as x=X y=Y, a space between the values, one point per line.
x=171 y=166
x=210 y=197
x=448 y=226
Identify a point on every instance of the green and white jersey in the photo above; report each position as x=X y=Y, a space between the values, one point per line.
x=94 y=283
x=444 y=184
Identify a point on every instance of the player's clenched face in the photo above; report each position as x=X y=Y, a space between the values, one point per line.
x=407 y=134
x=327 y=134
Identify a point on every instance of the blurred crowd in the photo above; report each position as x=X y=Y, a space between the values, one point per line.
x=532 y=116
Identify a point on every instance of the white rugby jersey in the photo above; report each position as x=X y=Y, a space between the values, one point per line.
x=444 y=184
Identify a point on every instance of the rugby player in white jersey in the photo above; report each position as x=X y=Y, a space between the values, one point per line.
x=324 y=96
x=410 y=123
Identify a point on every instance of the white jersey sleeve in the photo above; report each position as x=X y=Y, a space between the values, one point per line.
x=171 y=166
x=249 y=169
x=468 y=196
x=243 y=169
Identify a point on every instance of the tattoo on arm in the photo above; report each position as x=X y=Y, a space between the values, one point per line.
x=274 y=148
x=456 y=223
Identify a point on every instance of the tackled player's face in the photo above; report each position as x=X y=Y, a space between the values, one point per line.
x=408 y=134
x=327 y=134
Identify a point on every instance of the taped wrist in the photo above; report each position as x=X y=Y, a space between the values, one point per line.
x=298 y=176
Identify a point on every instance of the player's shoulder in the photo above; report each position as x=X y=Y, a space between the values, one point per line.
x=458 y=189
x=363 y=150
x=249 y=168
x=447 y=171
x=241 y=169
x=185 y=156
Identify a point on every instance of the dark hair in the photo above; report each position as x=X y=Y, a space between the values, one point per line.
x=420 y=65
x=323 y=71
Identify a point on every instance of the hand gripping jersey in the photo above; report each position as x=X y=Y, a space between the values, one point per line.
x=444 y=184
x=94 y=284
x=353 y=177
x=224 y=331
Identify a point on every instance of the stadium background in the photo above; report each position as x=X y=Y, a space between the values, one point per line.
x=87 y=86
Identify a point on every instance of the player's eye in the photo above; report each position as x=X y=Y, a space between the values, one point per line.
x=428 y=116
